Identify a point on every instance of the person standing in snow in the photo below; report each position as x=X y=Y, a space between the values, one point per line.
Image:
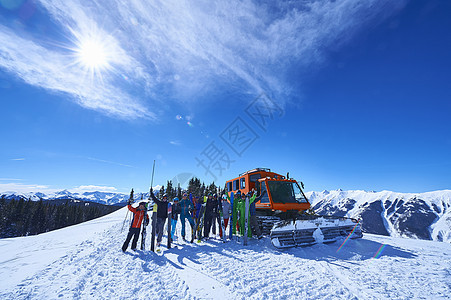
x=174 y=216
x=162 y=214
x=139 y=215
x=241 y=206
x=235 y=213
x=226 y=210
x=198 y=206
x=198 y=216
x=215 y=215
x=186 y=207
x=209 y=212
x=253 y=215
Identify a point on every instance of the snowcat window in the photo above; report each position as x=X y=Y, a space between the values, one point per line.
x=265 y=198
x=229 y=186
x=236 y=185
x=286 y=192
x=298 y=193
x=243 y=183
x=254 y=177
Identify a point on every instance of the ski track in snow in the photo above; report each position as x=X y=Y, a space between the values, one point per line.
x=96 y=268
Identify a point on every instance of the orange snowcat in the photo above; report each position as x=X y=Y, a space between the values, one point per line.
x=282 y=211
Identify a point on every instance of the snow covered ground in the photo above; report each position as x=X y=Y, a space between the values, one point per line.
x=85 y=262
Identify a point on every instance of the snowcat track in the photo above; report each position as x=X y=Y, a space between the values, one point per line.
x=288 y=234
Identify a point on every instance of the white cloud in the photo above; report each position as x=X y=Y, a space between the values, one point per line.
x=24 y=188
x=175 y=143
x=183 y=49
x=93 y=188
x=13 y=187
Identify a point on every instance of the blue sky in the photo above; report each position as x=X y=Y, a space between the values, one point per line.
x=342 y=94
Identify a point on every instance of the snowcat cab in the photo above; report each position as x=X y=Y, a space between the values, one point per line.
x=280 y=212
x=284 y=197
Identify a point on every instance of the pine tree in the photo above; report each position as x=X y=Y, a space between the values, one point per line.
x=161 y=193
x=179 y=191
x=170 y=189
x=132 y=197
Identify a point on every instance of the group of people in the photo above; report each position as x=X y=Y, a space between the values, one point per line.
x=190 y=210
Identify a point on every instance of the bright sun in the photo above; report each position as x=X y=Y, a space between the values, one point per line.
x=92 y=55
x=94 y=52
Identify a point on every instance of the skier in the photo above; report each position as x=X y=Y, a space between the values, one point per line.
x=253 y=215
x=174 y=216
x=239 y=205
x=186 y=208
x=162 y=214
x=216 y=217
x=198 y=216
x=139 y=215
x=226 y=210
x=235 y=215
x=242 y=214
x=209 y=213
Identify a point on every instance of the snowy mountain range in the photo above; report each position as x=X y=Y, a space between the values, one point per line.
x=107 y=198
x=423 y=215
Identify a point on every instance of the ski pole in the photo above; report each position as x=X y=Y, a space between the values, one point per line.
x=126 y=215
x=153 y=171
x=123 y=223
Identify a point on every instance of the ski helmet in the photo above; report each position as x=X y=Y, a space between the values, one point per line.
x=142 y=203
x=176 y=199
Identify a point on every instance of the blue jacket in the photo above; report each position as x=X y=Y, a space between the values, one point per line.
x=186 y=206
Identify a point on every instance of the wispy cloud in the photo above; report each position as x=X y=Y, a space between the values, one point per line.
x=175 y=143
x=93 y=188
x=23 y=188
x=109 y=162
x=55 y=71
x=183 y=49
x=18 y=159
x=14 y=187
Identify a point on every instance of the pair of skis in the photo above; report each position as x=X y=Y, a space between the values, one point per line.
x=200 y=220
x=221 y=220
x=233 y=221
x=246 y=221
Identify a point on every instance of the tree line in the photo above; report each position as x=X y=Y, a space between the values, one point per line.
x=195 y=187
x=25 y=217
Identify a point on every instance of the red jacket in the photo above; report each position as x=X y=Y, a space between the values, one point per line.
x=138 y=216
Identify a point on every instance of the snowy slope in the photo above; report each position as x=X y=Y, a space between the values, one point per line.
x=422 y=215
x=85 y=262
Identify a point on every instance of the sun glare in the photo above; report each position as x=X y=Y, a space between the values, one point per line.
x=94 y=52
x=93 y=55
